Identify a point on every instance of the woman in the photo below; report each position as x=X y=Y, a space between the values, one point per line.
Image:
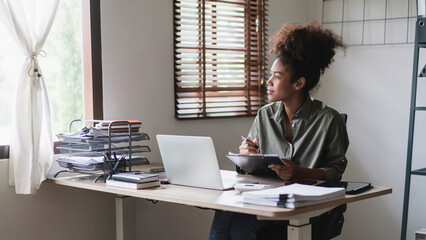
x=309 y=136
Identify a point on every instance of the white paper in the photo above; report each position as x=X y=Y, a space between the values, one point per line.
x=298 y=192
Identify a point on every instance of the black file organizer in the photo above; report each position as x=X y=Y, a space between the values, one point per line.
x=89 y=145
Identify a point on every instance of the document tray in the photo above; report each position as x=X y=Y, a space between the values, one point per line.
x=72 y=165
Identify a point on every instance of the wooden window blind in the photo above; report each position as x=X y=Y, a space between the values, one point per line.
x=219 y=64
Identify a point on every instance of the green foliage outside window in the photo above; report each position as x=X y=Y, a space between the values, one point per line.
x=62 y=67
x=62 y=70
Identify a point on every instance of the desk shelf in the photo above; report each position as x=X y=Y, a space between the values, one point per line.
x=92 y=149
x=419 y=43
x=421 y=172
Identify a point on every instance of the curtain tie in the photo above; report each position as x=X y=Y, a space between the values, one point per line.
x=33 y=69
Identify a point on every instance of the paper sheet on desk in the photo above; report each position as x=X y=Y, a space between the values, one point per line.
x=92 y=135
x=82 y=160
x=253 y=154
x=293 y=196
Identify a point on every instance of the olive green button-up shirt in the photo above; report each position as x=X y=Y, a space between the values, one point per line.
x=319 y=135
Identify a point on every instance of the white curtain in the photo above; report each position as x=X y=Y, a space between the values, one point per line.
x=31 y=148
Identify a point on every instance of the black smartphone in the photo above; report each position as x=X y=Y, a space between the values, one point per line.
x=357 y=187
x=351 y=187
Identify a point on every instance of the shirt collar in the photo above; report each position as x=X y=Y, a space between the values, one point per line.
x=303 y=111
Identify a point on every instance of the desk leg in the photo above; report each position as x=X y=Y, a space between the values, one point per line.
x=119 y=217
x=299 y=229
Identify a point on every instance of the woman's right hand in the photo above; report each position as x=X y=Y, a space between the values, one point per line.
x=249 y=147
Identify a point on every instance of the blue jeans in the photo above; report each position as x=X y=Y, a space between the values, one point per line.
x=236 y=226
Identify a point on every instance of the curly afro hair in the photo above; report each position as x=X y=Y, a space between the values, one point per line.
x=306 y=50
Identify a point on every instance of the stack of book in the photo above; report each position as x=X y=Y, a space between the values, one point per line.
x=134 y=180
x=120 y=126
x=293 y=196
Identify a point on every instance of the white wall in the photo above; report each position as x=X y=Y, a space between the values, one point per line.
x=373 y=85
x=375 y=92
x=55 y=212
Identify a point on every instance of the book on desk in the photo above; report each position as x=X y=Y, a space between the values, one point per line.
x=130 y=185
x=134 y=180
x=135 y=177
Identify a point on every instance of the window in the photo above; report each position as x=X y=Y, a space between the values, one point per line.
x=74 y=49
x=62 y=69
x=219 y=52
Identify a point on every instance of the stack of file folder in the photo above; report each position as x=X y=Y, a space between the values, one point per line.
x=86 y=147
x=93 y=148
x=293 y=196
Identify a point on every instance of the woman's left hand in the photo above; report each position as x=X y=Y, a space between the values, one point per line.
x=287 y=171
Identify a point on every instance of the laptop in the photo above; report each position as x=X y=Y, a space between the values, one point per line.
x=191 y=161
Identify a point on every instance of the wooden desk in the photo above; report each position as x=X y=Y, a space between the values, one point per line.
x=221 y=200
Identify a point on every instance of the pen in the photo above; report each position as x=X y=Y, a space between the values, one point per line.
x=118 y=162
x=258 y=148
x=106 y=155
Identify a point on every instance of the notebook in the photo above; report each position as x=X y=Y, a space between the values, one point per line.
x=191 y=161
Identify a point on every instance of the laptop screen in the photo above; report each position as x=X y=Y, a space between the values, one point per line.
x=190 y=161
